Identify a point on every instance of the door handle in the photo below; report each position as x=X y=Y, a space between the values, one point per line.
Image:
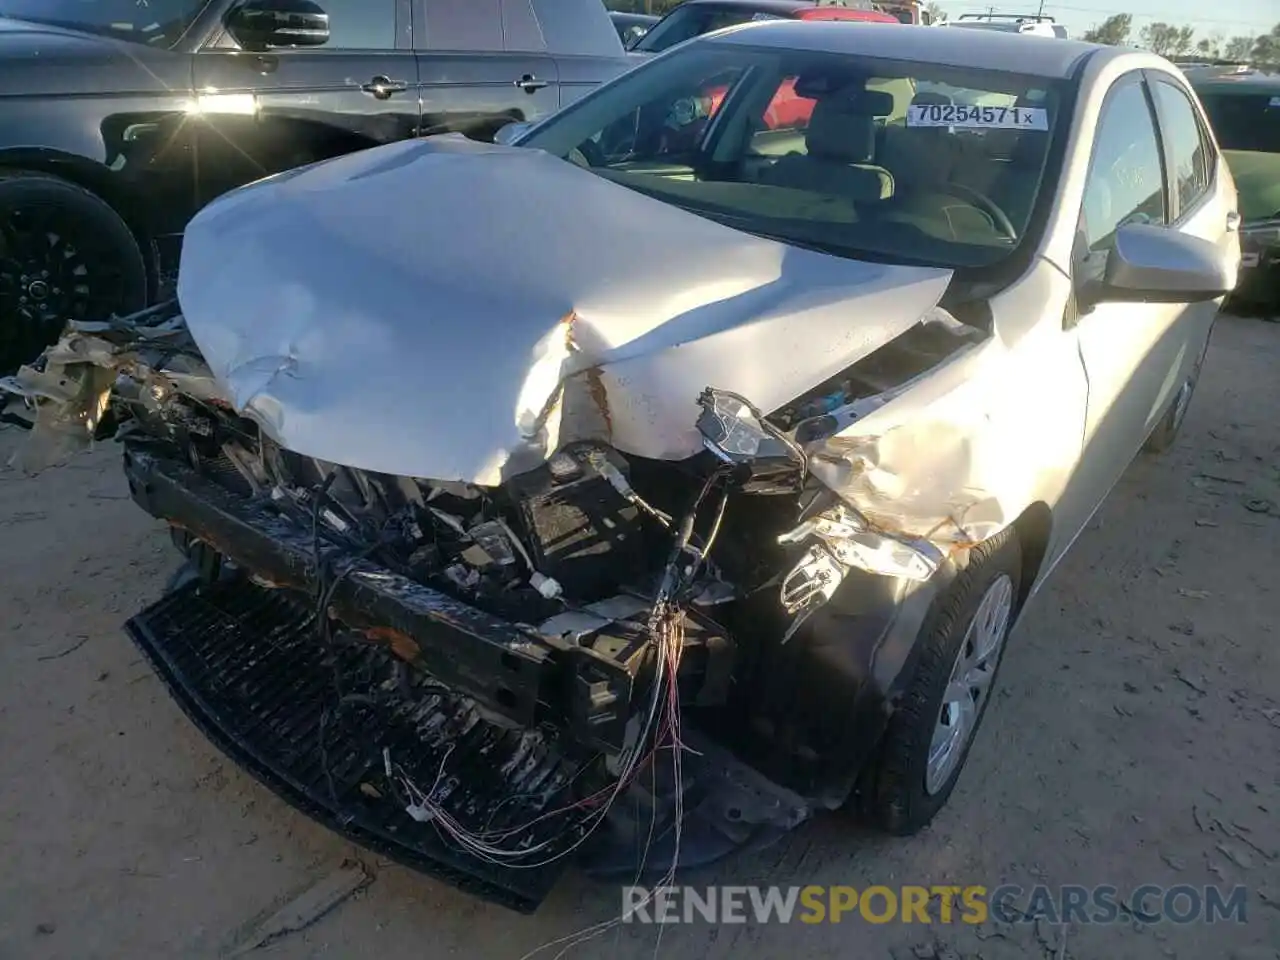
x=383 y=87
x=530 y=84
x=1233 y=222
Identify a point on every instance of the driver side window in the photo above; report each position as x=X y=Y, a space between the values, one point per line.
x=1126 y=175
x=666 y=129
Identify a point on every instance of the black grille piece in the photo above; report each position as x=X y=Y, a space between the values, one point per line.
x=582 y=532
x=247 y=665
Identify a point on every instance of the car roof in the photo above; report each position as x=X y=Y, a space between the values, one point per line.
x=1253 y=82
x=782 y=8
x=637 y=18
x=989 y=49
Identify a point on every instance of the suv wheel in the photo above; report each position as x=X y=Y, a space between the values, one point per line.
x=961 y=648
x=64 y=255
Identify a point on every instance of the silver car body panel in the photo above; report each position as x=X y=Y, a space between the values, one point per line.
x=520 y=303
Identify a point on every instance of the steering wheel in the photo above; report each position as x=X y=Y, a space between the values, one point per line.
x=982 y=202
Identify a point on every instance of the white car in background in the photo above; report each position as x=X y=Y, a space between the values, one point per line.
x=1024 y=25
x=671 y=452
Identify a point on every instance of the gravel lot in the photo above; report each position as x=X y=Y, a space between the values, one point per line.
x=1136 y=738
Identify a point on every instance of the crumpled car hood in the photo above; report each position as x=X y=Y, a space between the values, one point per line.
x=454 y=310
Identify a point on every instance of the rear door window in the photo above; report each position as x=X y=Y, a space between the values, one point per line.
x=1189 y=153
x=462 y=25
x=361 y=24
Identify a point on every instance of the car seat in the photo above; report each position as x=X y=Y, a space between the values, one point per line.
x=923 y=156
x=840 y=144
x=1008 y=169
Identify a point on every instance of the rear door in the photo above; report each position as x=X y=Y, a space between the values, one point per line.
x=1204 y=205
x=1204 y=200
x=481 y=64
x=581 y=37
x=273 y=110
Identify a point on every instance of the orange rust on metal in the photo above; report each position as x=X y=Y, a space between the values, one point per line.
x=227 y=552
x=567 y=321
x=600 y=397
x=401 y=644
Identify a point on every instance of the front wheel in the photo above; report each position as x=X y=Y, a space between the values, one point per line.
x=928 y=738
x=65 y=254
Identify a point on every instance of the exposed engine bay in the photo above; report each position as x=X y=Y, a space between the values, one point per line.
x=640 y=662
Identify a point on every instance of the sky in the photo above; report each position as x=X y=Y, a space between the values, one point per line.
x=1229 y=18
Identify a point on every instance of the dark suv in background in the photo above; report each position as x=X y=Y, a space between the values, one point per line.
x=119 y=119
x=1243 y=105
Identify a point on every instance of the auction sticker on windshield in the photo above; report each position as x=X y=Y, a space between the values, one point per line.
x=977 y=118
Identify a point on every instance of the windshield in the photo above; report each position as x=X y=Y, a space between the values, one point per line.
x=875 y=159
x=1245 y=120
x=153 y=22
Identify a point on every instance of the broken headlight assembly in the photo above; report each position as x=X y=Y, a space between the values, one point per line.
x=839 y=538
x=736 y=432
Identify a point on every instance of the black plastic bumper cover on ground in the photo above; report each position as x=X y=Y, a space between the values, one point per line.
x=246 y=666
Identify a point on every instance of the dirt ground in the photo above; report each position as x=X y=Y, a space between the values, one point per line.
x=1135 y=739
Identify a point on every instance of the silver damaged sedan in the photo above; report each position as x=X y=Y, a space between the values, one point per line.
x=632 y=489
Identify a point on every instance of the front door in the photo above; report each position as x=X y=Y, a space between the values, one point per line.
x=1131 y=351
x=265 y=112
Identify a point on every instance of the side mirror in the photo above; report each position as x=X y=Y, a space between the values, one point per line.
x=1151 y=264
x=510 y=132
x=259 y=24
x=633 y=36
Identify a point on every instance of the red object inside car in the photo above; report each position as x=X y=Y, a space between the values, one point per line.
x=838 y=13
x=788 y=109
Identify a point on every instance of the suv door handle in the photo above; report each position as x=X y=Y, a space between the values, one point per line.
x=1233 y=222
x=529 y=83
x=383 y=87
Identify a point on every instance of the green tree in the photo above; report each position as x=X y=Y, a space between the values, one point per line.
x=1210 y=47
x=1114 y=31
x=1266 y=49
x=1166 y=40
x=1182 y=43
x=1239 y=48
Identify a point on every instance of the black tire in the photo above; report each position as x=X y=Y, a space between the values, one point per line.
x=892 y=793
x=65 y=254
x=1165 y=434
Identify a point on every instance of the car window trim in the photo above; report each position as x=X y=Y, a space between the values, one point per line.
x=1180 y=215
